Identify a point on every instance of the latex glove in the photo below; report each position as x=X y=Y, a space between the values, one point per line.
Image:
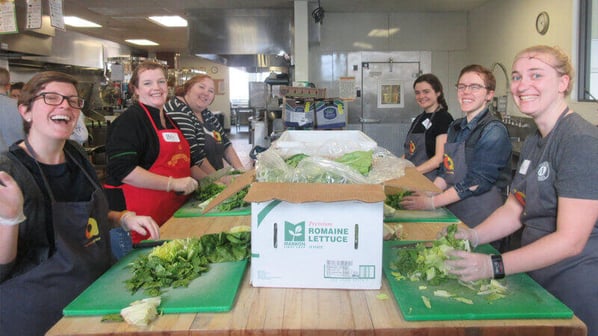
x=184 y=185
x=418 y=201
x=469 y=266
x=464 y=233
x=11 y=201
x=144 y=225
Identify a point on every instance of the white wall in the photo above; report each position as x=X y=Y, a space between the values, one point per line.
x=501 y=28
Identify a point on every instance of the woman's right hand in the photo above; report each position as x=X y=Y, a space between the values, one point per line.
x=11 y=200
x=184 y=185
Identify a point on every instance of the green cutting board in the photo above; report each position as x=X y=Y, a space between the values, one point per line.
x=526 y=299
x=442 y=215
x=190 y=209
x=213 y=291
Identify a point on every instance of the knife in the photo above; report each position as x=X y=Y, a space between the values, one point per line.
x=149 y=243
x=204 y=182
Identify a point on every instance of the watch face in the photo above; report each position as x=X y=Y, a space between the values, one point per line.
x=542 y=23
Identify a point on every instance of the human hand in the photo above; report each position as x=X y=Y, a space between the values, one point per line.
x=418 y=201
x=469 y=266
x=185 y=185
x=464 y=233
x=144 y=225
x=11 y=201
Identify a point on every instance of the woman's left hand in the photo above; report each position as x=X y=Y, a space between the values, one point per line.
x=418 y=201
x=469 y=266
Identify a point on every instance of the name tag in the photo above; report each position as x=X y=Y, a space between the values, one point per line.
x=524 y=167
x=427 y=123
x=171 y=137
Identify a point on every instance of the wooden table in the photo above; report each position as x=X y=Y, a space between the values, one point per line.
x=275 y=311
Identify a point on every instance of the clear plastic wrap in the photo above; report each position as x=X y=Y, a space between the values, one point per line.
x=271 y=167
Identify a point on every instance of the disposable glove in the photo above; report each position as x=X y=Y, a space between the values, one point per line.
x=418 y=201
x=469 y=266
x=184 y=185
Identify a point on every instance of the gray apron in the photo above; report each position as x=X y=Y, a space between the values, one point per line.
x=214 y=148
x=474 y=209
x=415 y=146
x=82 y=255
x=573 y=280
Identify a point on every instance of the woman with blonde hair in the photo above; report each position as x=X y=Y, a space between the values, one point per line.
x=554 y=194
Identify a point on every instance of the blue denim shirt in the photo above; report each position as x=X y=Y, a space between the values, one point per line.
x=491 y=154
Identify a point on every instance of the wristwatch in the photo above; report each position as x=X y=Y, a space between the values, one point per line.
x=498 y=268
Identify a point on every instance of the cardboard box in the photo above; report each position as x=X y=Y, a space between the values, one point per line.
x=316 y=235
x=298 y=112
x=302 y=92
x=330 y=113
x=307 y=235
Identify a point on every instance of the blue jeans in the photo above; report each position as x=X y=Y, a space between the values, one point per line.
x=121 y=242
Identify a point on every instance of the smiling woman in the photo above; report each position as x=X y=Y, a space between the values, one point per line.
x=59 y=218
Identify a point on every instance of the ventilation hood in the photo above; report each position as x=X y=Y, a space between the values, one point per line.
x=249 y=38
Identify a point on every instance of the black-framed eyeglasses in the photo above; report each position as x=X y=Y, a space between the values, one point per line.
x=472 y=87
x=55 y=99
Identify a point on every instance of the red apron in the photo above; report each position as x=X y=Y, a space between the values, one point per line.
x=173 y=160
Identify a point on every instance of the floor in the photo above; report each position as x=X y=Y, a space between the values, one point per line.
x=240 y=140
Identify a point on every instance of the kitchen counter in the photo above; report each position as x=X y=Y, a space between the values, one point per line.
x=274 y=311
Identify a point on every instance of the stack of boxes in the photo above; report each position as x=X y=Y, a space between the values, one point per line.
x=308 y=108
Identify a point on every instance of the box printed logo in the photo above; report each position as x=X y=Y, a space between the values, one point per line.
x=294 y=234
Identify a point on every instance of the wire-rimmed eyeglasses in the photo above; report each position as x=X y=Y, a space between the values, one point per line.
x=472 y=87
x=55 y=99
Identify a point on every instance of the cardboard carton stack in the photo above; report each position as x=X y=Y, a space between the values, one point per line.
x=306 y=108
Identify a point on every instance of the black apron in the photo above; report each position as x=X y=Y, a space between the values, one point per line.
x=474 y=209
x=32 y=302
x=573 y=280
x=415 y=146
x=213 y=147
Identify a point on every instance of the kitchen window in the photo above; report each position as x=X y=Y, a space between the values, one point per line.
x=588 y=51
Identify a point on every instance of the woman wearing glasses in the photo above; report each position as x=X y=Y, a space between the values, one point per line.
x=554 y=194
x=54 y=218
x=476 y=165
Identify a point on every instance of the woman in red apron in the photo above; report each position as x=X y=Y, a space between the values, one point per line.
x=54 y=227
x=149 y=167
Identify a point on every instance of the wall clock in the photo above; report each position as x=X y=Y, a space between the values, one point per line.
x=214 y=69
x=542 y=22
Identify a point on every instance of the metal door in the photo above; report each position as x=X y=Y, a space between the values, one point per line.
x=388 y=101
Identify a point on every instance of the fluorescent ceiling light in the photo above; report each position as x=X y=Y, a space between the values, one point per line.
x=142 y=42
x=169 y=21
x=383 y=32
x=74 y=21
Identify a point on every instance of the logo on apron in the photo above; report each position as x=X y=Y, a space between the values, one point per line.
x=543 y=171
x=411 y=147
x=92 y=231
x=520 y=197
x=449 y=165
